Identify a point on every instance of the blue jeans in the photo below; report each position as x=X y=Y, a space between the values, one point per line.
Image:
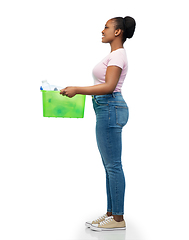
x=111 y=115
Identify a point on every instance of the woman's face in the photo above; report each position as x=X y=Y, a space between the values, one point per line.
x=108 y=34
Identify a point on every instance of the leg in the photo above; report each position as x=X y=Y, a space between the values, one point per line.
x=110 y=120
x=109 y=200
x=109 y=144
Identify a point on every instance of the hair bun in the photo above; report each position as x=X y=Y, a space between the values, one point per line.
x=130 y=25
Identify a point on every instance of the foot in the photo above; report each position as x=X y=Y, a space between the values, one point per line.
x=98 y=220
x=109 y=224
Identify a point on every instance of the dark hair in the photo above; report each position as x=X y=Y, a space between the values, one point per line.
x=127 y=25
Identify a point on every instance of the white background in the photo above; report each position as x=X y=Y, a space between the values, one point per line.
x=51 y=176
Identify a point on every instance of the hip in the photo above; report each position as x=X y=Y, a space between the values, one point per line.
x=111 y=110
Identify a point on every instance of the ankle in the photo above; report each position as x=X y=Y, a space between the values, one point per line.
x=118 y=218
x=109 y=214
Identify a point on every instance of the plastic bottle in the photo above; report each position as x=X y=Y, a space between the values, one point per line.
x=55 y=87
x=46 y=85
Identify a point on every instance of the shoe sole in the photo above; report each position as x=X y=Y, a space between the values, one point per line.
x=106 y=229
x=88 y=225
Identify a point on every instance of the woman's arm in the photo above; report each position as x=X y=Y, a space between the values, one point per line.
x=112 y=77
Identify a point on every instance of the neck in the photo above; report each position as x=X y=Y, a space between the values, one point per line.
x=116 y=45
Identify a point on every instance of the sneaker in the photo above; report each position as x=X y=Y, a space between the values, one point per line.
x=109 y=224
x=98 y=220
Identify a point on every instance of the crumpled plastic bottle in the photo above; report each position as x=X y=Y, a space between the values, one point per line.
x=46 y=86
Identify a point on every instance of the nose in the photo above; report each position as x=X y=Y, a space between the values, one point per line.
x=103 y=32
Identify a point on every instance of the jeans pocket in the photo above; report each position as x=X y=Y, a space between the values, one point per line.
x=101 y=101
x=122 y=115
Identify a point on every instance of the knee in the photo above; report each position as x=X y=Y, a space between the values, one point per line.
x=114 y=168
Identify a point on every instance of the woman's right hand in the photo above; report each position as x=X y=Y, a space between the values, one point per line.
x=68 y=91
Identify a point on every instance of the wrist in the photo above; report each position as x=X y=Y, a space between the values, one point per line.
x=76 y=90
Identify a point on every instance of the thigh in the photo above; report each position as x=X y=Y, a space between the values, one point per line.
x=111 y=115
x=109 y=141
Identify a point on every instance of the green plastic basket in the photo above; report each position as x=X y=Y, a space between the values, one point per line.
x=56 y=105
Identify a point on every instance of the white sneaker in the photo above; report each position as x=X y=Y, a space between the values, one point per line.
x=98 y=220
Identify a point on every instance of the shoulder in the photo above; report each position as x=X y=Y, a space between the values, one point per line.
x=118 y=52
x=118 y=57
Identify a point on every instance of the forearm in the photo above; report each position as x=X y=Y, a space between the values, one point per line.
x=99 y=89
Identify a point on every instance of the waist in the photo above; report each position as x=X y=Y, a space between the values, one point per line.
x=114 y=94
x=114 y=98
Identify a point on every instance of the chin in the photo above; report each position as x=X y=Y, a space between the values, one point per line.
x=104 y=41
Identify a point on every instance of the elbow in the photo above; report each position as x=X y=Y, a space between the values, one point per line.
x=109 y=89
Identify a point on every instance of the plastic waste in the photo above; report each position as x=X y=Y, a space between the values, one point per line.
x=46 y=86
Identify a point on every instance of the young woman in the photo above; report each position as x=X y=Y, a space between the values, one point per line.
x=111 y=115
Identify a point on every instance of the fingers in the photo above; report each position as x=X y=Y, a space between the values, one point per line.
x=68 y=91
x=63 y=91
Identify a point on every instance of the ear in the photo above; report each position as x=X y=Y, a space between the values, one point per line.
x=117 y=32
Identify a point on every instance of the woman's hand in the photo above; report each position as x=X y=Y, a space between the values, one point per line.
x=68 y=91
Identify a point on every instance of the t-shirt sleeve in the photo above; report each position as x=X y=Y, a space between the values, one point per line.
x=116 y=59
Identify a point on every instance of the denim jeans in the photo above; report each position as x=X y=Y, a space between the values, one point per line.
x=111 y=115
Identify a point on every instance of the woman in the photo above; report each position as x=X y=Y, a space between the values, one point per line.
x=111 y=115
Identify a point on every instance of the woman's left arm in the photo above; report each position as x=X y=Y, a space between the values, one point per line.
x=112 y=77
